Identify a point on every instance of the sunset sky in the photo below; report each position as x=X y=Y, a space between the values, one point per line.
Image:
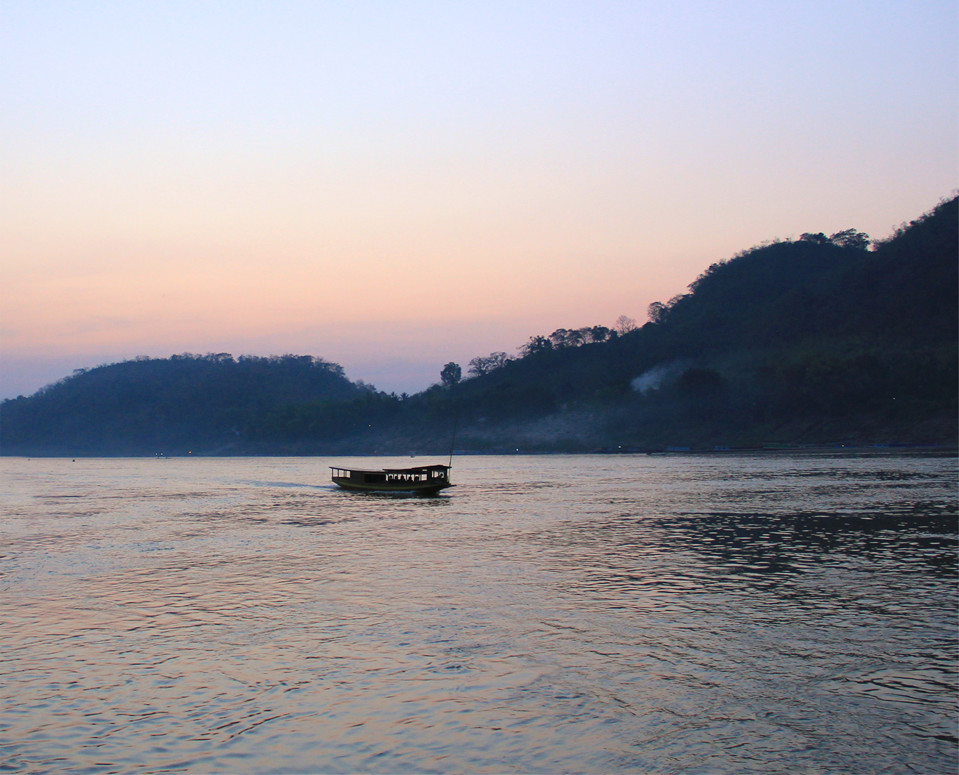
x=395 y=185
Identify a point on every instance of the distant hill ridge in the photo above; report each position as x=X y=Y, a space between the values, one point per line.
x=152 y=405
x=812 y=341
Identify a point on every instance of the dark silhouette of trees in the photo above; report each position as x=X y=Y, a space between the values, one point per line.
x=563 y=338
x=156 y=404
x=850 y=238
x=485 y=364
x=535 y=346
x=451 y=374
x=596 y=334
x=821 y=338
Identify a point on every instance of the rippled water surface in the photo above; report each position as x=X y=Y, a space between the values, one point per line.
x=599 y=614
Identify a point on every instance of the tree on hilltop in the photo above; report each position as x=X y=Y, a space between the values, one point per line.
x=451 y=374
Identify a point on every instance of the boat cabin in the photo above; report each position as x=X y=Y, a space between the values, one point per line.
x=427 y=479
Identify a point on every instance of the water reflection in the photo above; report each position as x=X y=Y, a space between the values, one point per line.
x=726 y=551
x=689 y=615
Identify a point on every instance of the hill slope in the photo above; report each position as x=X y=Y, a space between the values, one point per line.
x=166 y=405
x=817 y=340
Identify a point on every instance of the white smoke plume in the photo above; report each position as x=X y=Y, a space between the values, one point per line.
x=653 y=378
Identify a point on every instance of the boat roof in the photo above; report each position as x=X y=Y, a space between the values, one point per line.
x=411 y=470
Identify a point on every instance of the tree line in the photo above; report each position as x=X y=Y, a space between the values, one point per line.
x=817 y=338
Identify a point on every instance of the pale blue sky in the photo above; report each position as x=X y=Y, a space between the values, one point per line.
x=394 y=185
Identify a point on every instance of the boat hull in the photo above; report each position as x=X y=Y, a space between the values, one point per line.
x=419 y=489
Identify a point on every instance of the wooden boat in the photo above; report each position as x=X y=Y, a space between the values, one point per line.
x=425 y=480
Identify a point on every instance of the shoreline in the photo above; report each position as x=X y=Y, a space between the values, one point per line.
x=871 y=450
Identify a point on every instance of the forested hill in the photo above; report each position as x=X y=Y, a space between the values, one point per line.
x=819 y=340
x=159 y=405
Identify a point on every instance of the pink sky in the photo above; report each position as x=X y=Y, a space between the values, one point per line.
x=393 y=186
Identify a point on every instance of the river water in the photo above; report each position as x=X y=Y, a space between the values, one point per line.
x=779 y=613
